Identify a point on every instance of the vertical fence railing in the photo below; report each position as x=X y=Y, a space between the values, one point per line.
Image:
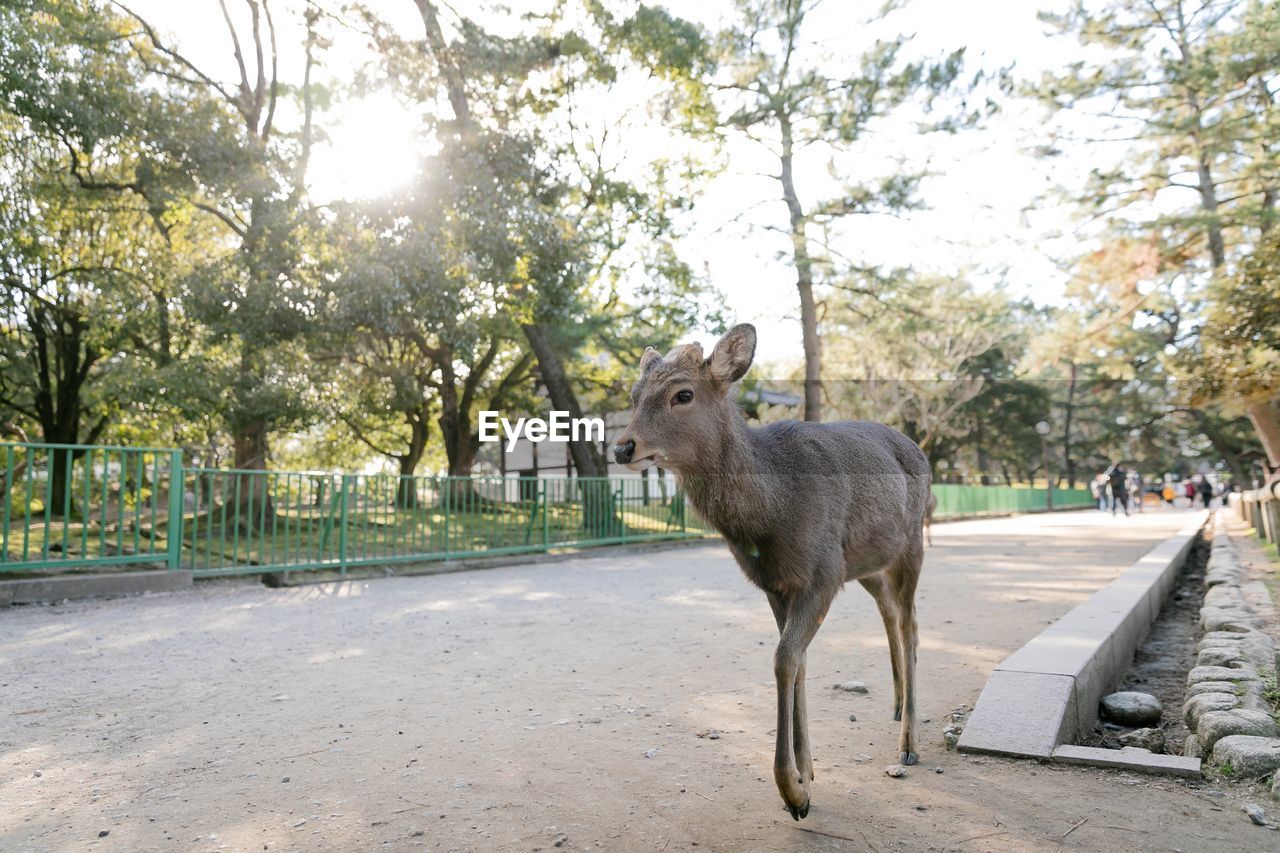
x=73 y=506
x=244 y=522
x=1260 y=509
x=65 y=506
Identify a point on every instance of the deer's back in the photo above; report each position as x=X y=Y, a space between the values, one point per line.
x=860 y=481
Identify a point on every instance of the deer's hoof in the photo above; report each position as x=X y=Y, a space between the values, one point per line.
x=908 y=758
x=897 y=715
x=797 y=813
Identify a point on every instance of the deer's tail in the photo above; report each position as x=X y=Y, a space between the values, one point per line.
x=928 y=517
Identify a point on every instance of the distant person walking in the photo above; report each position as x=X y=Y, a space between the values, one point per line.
x=1099 y=489
x=1168 y=493
x=1189 y=489
x=1117 y=479
x=1135 y=489
x=1206 y=491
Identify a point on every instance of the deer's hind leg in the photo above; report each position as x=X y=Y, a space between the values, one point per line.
x=887 y=604
x=902 y=576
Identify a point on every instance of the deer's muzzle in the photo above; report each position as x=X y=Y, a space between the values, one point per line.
x=623 y=451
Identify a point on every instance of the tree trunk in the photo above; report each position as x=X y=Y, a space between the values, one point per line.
x=407 y=462
x=254 y=506
x=459 y=441
x=62 y=361
x=804 y=283
x=1204 y=173
x=251 y=445
x=984 y=462
x=1068 y=460
x=1266 y=420
x=1230 y=452
x=1209 y=203
x=586 y=459
x=598 y=515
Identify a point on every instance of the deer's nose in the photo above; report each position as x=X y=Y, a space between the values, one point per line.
x=623 y=450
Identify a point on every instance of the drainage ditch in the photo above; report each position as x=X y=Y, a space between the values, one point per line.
x=1168 y=653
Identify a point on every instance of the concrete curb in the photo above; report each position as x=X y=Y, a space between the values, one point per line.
x=72 y=587
x=1046 y=694
x=305 y=577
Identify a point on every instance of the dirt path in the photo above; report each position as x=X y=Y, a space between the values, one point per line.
x=532 y=707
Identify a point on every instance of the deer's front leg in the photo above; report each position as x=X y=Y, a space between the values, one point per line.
x=800 y=727
x=805 y=611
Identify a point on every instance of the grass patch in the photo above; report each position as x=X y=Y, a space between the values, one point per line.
x=1271 y=693
x=283 y=534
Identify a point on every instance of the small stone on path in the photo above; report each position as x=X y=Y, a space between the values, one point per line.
x=1131 y=708
x=853 y=718
x=1148 y=739
x=851 y=687
x=1255 y=813
x=897 y=771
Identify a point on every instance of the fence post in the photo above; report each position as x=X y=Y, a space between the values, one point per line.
x=448 y=499
x=342 y=529
x=177 y=480
x=621 y=497
x=543 y=487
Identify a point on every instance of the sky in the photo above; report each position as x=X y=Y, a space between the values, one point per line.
x=989 y=215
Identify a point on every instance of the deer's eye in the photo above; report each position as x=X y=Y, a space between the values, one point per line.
x=684 y=395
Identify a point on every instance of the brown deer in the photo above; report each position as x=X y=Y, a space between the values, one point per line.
x=804 y=507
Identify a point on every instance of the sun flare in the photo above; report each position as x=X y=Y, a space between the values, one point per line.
x=372 y=149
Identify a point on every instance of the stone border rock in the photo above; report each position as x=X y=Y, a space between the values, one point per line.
x=1226 y=711
x=1046 y=694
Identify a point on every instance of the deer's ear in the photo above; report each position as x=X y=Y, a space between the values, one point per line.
x=733 y=353
x=649 y=360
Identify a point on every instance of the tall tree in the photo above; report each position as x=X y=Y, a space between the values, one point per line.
x=777 y=89
x=1238 y=358
x=1189 y=87
x=458 y=69
x=208 y=148
x=907 y=352
x=522 y=87
x=87 y=299
x=427 y=293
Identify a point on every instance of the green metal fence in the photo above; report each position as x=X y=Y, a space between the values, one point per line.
x=956 y=500
x=268 y=521
x=81 y=506
x=68 y=505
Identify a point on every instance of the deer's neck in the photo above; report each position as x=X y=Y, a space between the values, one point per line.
x=731 y=487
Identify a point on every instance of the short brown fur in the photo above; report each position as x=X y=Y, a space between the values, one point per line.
x=803 y=507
